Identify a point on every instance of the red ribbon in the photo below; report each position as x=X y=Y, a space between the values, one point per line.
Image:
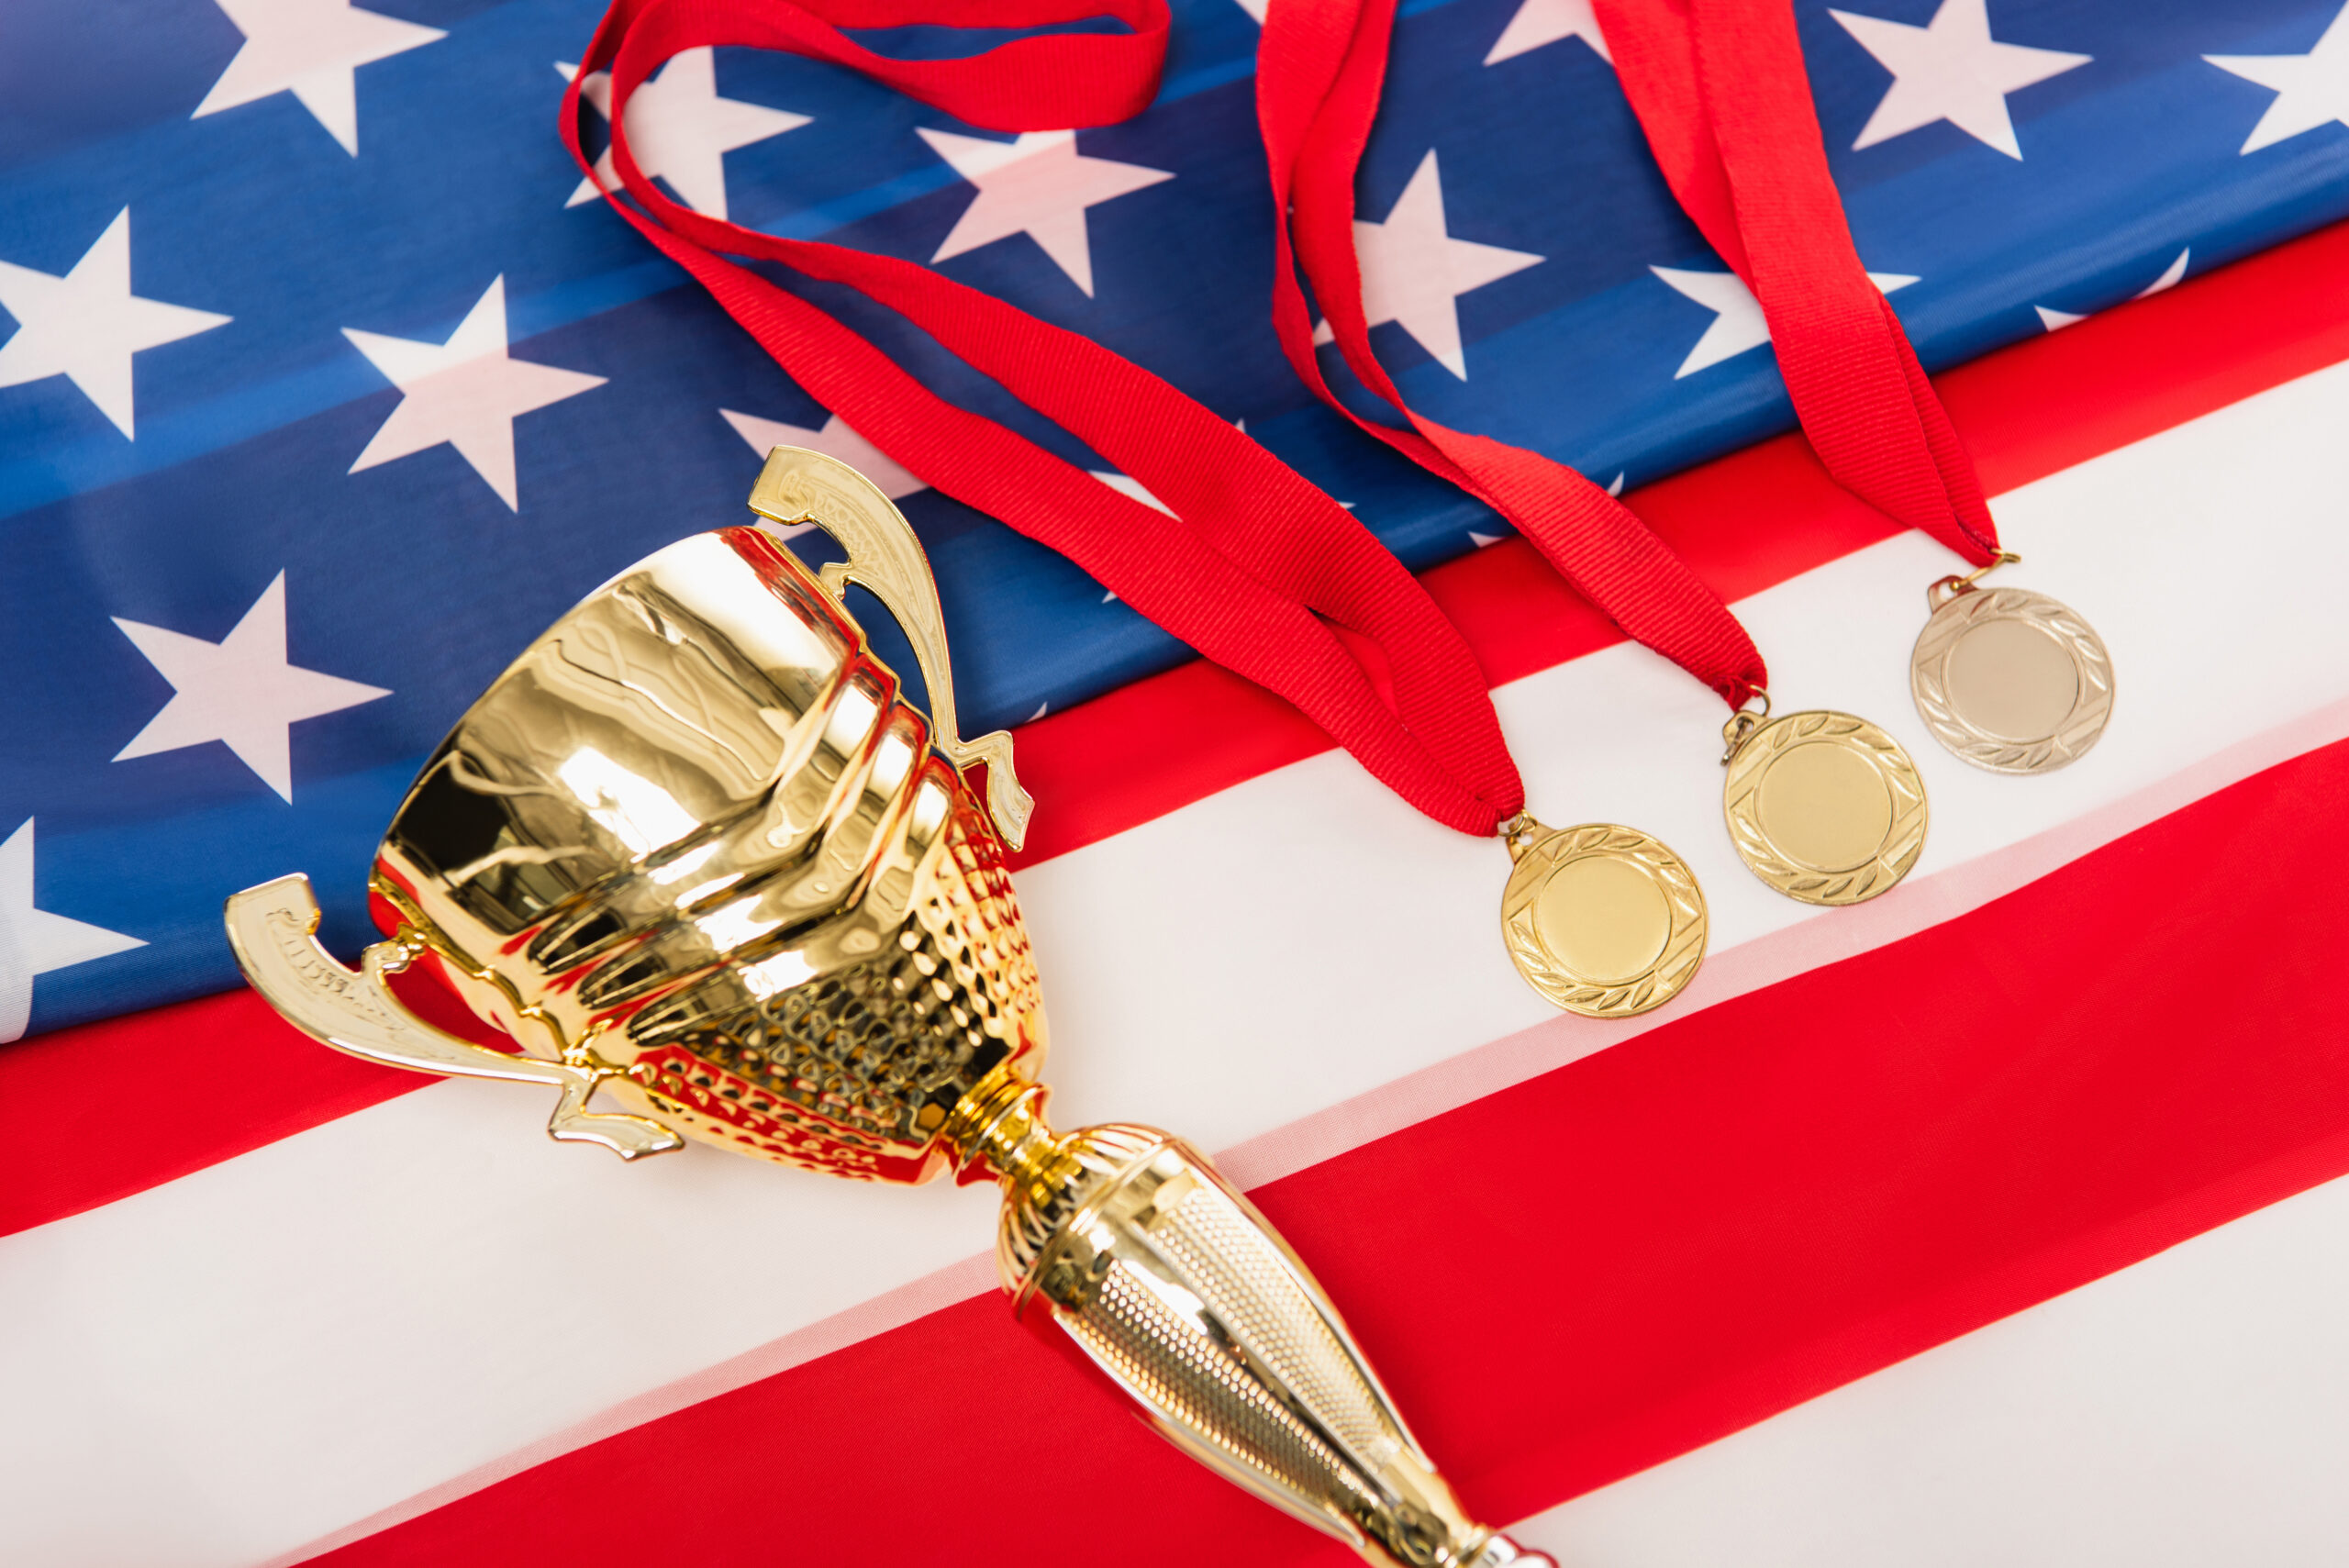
x=1261 y=566
x=1720 y=89
x=1319 y=70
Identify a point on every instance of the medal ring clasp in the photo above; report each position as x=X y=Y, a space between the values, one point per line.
x=1942 y=590
x=1743 y=724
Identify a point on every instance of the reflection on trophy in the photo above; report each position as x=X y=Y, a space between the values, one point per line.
x=696 y=854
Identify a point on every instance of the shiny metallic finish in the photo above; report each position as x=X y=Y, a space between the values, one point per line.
x=2011 y=681
x=696 y=854
x=272 y=930
x=1824 y=807
x=1601 y=919
x=696 y=831
x=1177 y=1289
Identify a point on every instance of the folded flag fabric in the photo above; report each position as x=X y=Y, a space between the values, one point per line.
x=329 y=383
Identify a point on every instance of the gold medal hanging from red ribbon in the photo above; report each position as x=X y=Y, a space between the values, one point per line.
x=1824 y=806
x=1601 y=919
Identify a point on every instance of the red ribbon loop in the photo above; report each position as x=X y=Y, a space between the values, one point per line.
x=1320 y=68
x=1259 y=556
x=1720 y=88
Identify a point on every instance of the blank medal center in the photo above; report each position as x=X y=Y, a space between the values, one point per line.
x=1603 y=918
x=2010 y=679
x=1826 y=806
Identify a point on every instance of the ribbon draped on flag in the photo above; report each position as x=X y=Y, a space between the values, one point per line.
x=1320 y=68
x=1722 y=93
x=1254 y=555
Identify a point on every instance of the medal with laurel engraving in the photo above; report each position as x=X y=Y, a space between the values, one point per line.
x=1601 y=919
x=2011 y=681
x=1825 y=807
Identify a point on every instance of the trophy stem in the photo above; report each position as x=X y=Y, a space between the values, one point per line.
x=1000 y=1126
x=1174 y=1285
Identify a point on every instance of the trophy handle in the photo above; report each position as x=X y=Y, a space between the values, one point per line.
x=273 y=929
x=885 y=557
x=1185 y=1295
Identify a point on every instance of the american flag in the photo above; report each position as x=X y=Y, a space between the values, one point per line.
x=1987 y=1222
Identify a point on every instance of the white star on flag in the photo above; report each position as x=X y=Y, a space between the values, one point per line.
x=2311 y=89
x=835 y=440
x=1413 y=270
x=2056 y=320
x=1039 y=185
x=34 y=942
x=1540 y=22
x=1128 y=486
x=680 y=130
x=87 y=324
x=1738 y=324
x=310 y=49
x=1949 y=68
x=239 y=691
x=465 y=392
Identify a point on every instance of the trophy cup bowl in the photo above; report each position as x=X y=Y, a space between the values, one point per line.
x=699 y=858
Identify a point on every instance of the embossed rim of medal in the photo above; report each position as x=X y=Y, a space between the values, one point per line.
x=1929 y=680
x=1684 y=948
x=1904 y=837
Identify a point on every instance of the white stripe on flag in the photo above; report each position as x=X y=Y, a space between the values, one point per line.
x=271 y=1350
x=2190 y=1411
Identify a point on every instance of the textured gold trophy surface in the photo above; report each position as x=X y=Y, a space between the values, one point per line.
x=698 y=856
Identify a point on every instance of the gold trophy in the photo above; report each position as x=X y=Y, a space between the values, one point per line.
x=696 y=854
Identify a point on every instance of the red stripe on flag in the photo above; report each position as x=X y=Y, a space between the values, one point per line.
x=1596 y=1270
x=1749 y=520
x=112 y=1108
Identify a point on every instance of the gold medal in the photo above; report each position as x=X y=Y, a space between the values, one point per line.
x=2010 y=680
x=1823 y=807
x=1602 y=919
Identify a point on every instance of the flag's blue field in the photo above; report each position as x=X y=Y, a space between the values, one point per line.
x=321 y=393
